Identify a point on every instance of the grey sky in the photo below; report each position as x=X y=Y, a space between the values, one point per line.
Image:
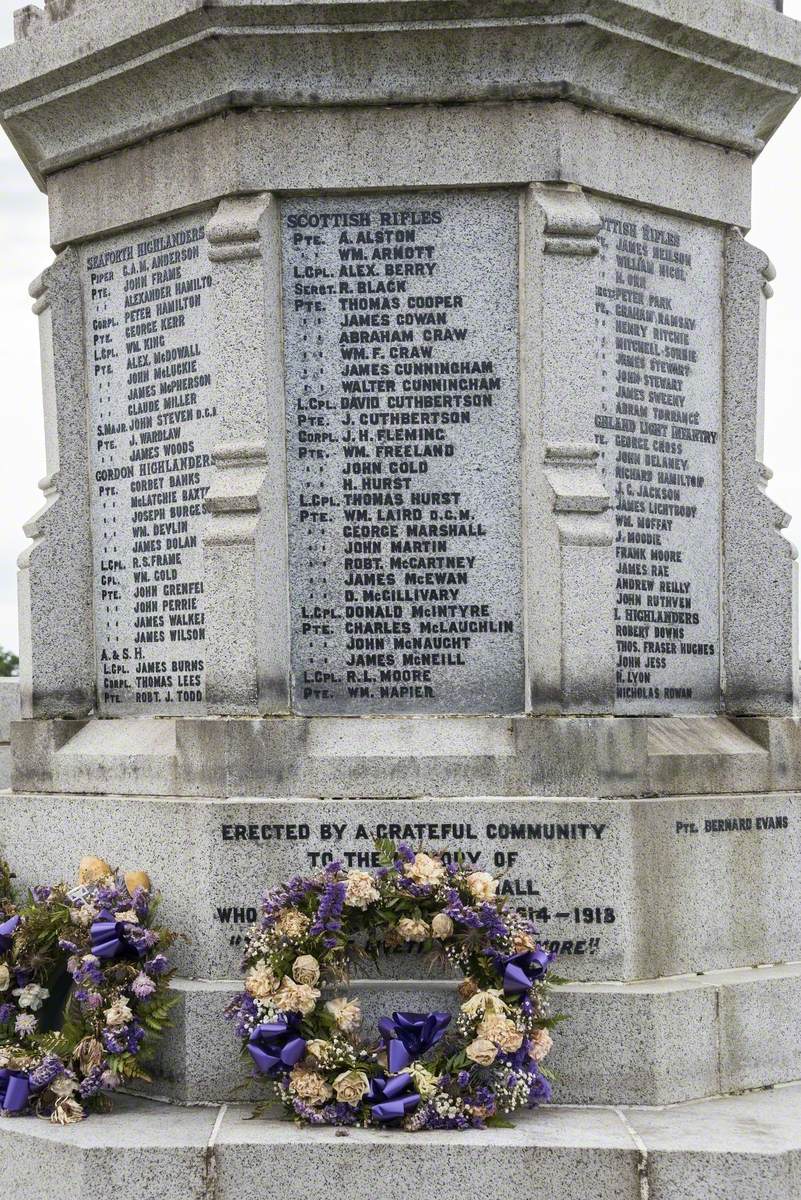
x=24 y=252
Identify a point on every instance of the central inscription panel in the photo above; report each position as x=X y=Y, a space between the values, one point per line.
x=403 y=445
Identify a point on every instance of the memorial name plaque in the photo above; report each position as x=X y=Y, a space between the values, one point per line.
x=403 y=429
x=659 y=329
x=152 y=426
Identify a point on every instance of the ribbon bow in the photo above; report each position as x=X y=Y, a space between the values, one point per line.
x=110 y=938
x=7 y=931
x=277 y=1044
x=409 y=1035
x=15 y=1090
x=523 y=970
x=391 y=1098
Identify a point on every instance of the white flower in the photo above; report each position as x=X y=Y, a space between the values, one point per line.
x=424 y=1082
x=482 y=885
x=129 y=915
x=309 y=1085
x=119 y=1014
x=84 y=915
x=25 y=1024
x=306 y=969
x=425 y=869
x=5 y=977
x=260 y=981
x=503 y=1032
x=482 y=1052
x=360 y=889
x=64 y=1085
x=296 y=997
x=541 y=1045
x=67 y=1112
x=491 y=1001
x=347 y=1014
x=413 y=929
x=350 y=1086
x=291 y=924
x=32 y=996
x=442 y=926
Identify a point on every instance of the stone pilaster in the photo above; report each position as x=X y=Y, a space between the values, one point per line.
x=760 y=574
x=570 y=579
x=245 y=547
x=57 y=675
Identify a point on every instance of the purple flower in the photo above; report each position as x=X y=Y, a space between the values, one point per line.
x=6 y=1013
x=143 y=986
x=157 y=965
x=459 y=912
x=115 y=1043
x=42 y=894
x=93 y=1083
x=48 y=1070
x=463 y=1078
x=540 y=1091
x=329 y=910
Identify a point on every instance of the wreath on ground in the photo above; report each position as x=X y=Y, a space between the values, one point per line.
x=83 y=991
x=427 y=1070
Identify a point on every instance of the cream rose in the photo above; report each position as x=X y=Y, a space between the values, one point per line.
x=295 y=997
x=308 y=1085
x=347 y=1014
x=5 y=977
x=482 y=885
x=291 y=924
x=119 y=1014
x=503 y=1032
x=413 y=929
x=260 y=982
x=350 y=1086
x=425 y=869
x=360 y=889
x=482 y=1051
x=306 y=969
x=541 y=1045
x=442 y=926
x=522 y=942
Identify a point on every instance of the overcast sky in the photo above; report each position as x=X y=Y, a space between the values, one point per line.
x=24 y=252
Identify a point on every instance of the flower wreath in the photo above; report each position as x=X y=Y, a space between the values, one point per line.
x=426 y=1071
x=83 y=991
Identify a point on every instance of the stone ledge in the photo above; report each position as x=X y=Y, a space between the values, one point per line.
x=377 y=757
x=659 y=1041
x=727 y=1148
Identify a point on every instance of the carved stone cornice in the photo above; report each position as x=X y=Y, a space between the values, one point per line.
x=71 y=87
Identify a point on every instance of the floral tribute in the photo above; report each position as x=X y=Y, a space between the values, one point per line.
x=84 y=979
x=421 y=1071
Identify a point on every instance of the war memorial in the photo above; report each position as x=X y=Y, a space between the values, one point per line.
x=403 y=378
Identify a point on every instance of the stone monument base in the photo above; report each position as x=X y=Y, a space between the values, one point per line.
x=747 y=1145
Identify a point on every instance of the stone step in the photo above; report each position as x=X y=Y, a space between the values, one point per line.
x=658 y=1041
x=729 y=1148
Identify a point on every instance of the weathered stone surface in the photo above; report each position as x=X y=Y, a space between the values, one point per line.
x=9 y=712
x=403 y=147
x=153 y=426
x=656 y=1041
x=698 y=1150
x=659 y=430
x=583 y=869
x=403 y=438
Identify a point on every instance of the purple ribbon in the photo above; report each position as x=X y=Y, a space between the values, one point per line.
x=7 y=931
x=15 y=1091
x=277 y=1044
x=523 y=970
x=408 y=1036
x=391 y=1098
x=110 y=938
